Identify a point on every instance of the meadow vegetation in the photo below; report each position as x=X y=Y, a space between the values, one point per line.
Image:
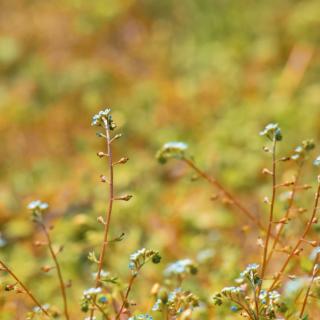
x=195 y=196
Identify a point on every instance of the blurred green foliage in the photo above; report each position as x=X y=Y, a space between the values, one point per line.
x=210 y=73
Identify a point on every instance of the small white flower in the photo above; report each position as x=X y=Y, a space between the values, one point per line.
x=91 y=292
x=38 y=205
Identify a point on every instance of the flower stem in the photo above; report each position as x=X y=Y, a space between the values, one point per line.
x=109 y=210
x=274 y=182
x=125 y=300
x=314 y=273
x=56 y=262
x=27 y=291
x=218 y=185
x=286 y=216
x=296 y=247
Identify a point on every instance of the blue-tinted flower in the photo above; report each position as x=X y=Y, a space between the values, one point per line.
x=103 y=299
x=274 y=296
x=250 y=270
x=272 y=131
x=38 y=205
x=158 y=306
x=102 y=118
x=181 y=268
x=140 y=257
x=234 y=308
x=172 y=150
x=316 y=162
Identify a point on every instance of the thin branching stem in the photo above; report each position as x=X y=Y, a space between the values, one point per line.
x=109 y=210
x=300 y=241
x=59 y=273
x=313 y=275
x=23 y=286
x=101 y=310
x=273 y=198
x=246 y=308
x=255 y=296
x=125 y=300
x=286 y=216
x=219 y=186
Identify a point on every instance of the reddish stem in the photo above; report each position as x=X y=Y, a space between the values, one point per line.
x=108 y=213
x=27 y=291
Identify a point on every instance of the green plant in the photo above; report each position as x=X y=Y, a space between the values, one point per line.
x=255 y=297
x=259 y=293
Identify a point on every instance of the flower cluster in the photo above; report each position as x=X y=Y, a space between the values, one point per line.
x=102 y=118
x=142 y=256
x=177 y=302
x=270 y=303
x=251 y=274
x=171 y=150
x=232 y=293
x=316 y=162
x=181 y=268
x=88 y=297
x=272 y=132
x=37 y=208
x=89 y=293
x=248 y=296
x=301 y=151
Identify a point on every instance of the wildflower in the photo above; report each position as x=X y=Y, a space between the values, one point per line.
x=300 y=152
x=315 y=252
x=272 y=131
x=40 y=310
x=274 y=296
x=38 y=205
x=316 y=162
x=180 y=301
x=234 y=308
x=140 y=257
x=181 y=268
x=103 y=117
x=158 y=306
x=250 y=270
x=171 y=150
x=91 y=292
x=103 y=274
x=103 y=299
x=205 y=256
x=228 y=291
x=263 y=294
